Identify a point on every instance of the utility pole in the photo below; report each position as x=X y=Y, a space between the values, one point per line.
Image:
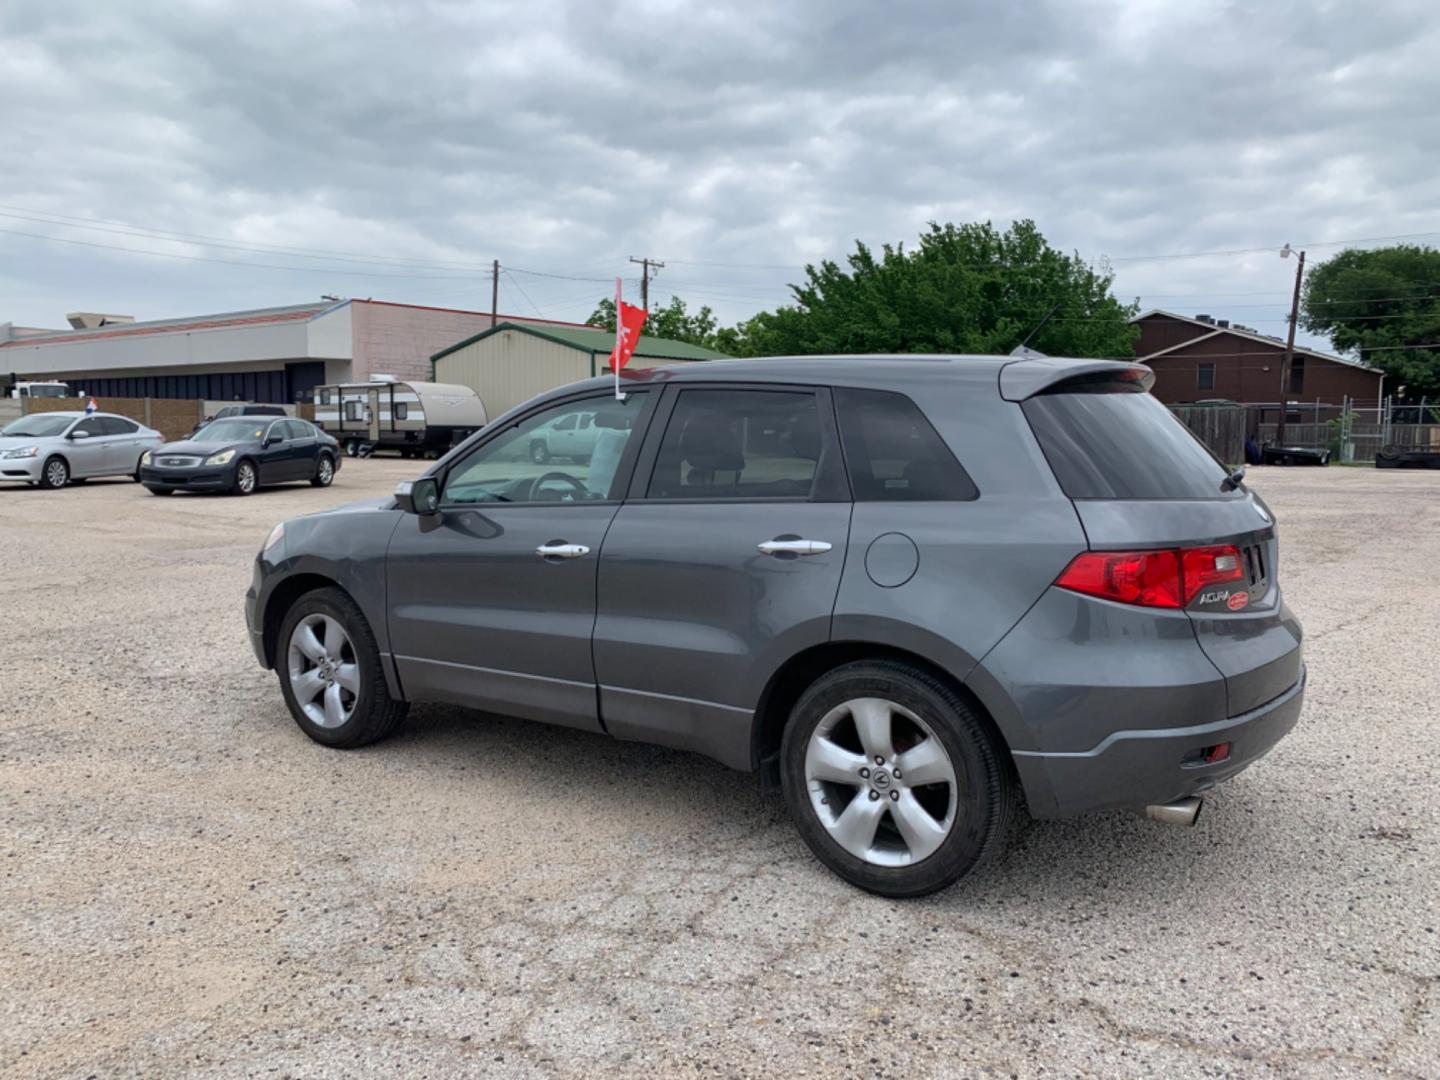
x=646 y=264
x=494 y=291
x=1289 y=346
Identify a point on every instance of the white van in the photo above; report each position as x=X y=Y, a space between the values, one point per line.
x=40 y=389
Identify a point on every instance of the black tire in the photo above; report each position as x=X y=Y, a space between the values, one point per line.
x=242 y=486
x=139 y=464
x=352 y=448
x=539 y=452
x=375 y=715
x=985 y=790
x=160 y=491
x=324 y=471
x=55 y=473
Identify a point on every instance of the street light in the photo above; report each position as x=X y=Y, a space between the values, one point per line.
x=1285 y=253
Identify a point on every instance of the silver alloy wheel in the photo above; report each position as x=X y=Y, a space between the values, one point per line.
x=245 y=477
x=327 y=470
x=56 y=473
x=881 y=782
x=323 y=674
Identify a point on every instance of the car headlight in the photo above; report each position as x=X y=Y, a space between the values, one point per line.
x=222 y=458
x=145 y=458
x=276 y=535
x=24 y=451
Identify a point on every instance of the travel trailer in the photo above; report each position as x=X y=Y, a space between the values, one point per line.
x=415 y=418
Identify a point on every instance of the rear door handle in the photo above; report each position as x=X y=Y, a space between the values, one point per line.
x=794 y=547
x=561 y=551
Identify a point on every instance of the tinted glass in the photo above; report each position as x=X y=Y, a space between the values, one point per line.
x=37 y=427
x=95 y=425
x=116 y=426
x=296 y=429
x=739 y=444
x=893 y=453
x=1122 y=445
x=521 y=466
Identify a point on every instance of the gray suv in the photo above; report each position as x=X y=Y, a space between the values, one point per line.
x=908 y=591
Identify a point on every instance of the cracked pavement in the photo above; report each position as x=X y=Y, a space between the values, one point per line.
x=189 y=886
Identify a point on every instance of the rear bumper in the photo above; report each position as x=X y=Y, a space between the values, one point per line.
x=1142 y=767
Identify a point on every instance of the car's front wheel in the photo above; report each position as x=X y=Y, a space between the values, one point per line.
x=330 y=674
x=55 y=474
x=324 y=472
x=246 y=478
x=892 y=778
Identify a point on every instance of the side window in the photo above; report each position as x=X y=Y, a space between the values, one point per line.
x=401 y=409
x=277 y=429
x=566 y=423
x=94 y=425
x=113 y=425
x=893 y=453
x=352 y=410
x=322 y=397
x=296 y=429
x=739 y=444
x=518 y=466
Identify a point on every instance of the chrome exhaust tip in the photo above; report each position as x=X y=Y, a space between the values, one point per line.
x=1180 y=812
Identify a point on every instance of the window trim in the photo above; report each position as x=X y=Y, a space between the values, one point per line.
x=488 y=434
x=831 y=481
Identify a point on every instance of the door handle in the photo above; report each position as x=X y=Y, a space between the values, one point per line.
x=561 y=551
x=794 y=547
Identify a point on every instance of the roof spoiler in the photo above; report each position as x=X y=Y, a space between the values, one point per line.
x=1021 y=379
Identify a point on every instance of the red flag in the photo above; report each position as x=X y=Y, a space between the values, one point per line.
x=627 y=335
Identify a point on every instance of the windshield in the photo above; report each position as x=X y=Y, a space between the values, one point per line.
x=53 y=390
x=37 y=427
x=237 y=429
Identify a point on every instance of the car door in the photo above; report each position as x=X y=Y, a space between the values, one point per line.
x=725 y=562
x=276 y=452
x=303 y=448
x=89 y=454
x=123 y=445
x=491 y=603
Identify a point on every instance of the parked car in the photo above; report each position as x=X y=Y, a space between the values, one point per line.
x=1294 y=455
x=239 y=454
x=907 y=591
x=58 y=448
x=570 y=436
x=241 y=410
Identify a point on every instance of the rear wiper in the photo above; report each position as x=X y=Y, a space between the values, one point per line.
x=1233 y=481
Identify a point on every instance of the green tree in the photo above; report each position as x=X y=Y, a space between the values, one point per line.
x=672 y=321
x=963 y=289
x=1383 y=304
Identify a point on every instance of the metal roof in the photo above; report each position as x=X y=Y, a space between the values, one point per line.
x=254 y=317
x=595 y=341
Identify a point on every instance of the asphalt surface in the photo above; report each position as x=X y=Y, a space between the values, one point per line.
x=190 y=886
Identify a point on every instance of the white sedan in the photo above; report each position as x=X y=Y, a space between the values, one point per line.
x=57 y=448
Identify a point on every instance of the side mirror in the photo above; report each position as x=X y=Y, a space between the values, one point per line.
x=418 y=496
x=273 y=440
x=79 y=434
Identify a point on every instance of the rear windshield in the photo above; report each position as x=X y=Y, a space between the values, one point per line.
x=1108 y=441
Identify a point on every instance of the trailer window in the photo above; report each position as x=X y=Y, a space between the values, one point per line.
x=352 y=410
x=402 y=409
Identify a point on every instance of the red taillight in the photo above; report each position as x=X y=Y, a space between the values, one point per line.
x=1208 y=566
x=1148 y=578
x=1168 y=578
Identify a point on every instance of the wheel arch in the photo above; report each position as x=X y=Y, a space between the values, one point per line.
x=283 y=595
x=796 y=675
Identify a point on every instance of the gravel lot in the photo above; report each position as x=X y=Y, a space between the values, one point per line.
x=190 y=886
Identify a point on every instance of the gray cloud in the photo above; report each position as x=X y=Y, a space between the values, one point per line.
x=564 y=137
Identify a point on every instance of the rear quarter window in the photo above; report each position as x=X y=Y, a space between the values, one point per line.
x=893 y=453
x=1107 y=440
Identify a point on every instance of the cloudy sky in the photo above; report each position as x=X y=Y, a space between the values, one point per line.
x=392 y=149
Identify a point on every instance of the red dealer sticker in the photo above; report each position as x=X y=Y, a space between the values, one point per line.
x=1237 y=601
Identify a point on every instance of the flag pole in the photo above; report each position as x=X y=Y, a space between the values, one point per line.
x=619 y=339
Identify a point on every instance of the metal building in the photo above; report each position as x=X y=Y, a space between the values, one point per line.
x=511 y=363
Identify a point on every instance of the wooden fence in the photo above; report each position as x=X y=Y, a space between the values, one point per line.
x=1220 y=427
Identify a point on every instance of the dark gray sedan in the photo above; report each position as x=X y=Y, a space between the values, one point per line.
x=908 y=591
x=240 y=454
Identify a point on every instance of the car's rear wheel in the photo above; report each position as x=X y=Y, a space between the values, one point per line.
x=246 y=478
x=55 y=474
x=892 y=778
x=330 y=674
x=324 y=472
x=539 y=452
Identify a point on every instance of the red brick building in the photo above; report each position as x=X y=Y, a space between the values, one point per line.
x=1200 y=358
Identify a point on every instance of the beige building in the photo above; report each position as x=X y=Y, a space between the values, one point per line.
x=510 y=363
